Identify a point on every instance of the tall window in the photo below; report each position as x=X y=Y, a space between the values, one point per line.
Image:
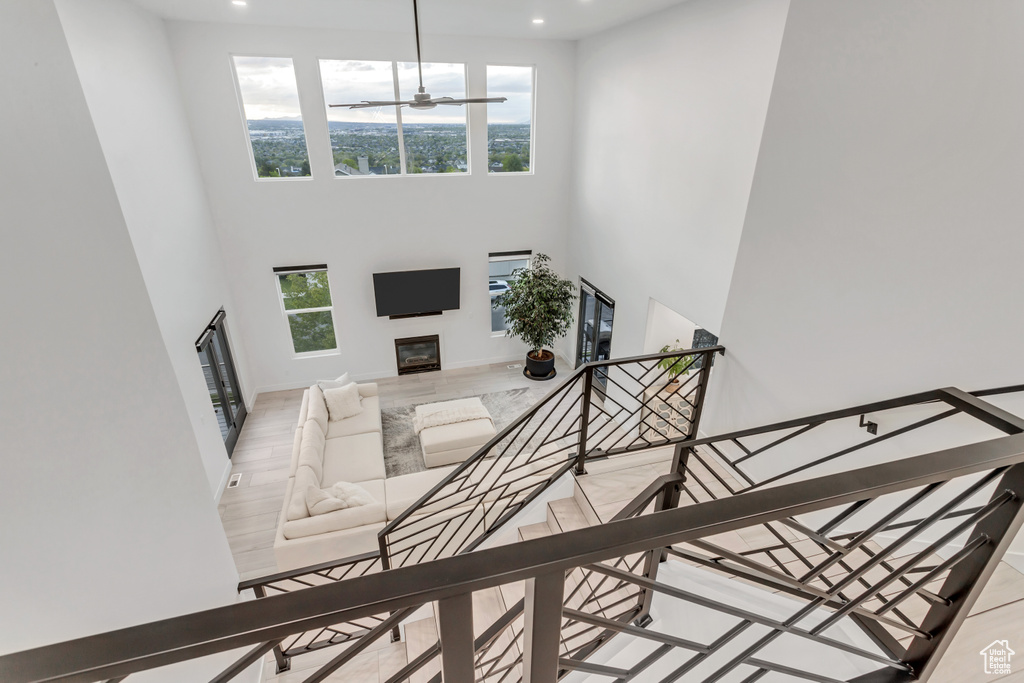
x=380 y=141
x=501 y=269
x=510 y=124
x=306 y=302
x=270 y=99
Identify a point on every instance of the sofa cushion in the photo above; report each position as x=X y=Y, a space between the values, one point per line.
x=363 y=423
x=317 y=408
x=404 y=490
x=368 y=389
x=311 y=451
x=343 y=402
x=458 y=435
x=304 y=478
x=355 y=458
x=348 y=518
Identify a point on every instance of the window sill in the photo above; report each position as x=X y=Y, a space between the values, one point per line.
x=316 y=354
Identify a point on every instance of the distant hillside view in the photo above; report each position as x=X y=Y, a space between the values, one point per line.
x=279 y=148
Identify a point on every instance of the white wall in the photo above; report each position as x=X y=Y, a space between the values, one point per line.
x=366 y=225
x=666 y=327
x=669 y=115
x=124 y=62
x=881 y=249
x=107 y=515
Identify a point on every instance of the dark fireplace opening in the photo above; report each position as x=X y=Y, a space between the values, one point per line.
x=418 y=354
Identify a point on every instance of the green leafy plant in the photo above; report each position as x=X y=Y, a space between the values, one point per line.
x=675 y=365
x=538 y=305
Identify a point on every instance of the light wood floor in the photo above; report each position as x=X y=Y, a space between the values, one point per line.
x=263 y=453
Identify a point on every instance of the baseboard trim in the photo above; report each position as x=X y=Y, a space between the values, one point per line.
x=223 y=483
x=383 y=374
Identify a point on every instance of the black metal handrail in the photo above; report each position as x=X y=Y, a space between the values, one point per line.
x=525 y=458
x=257 y=623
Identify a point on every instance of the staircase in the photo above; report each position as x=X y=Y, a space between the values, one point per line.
x=767 y=554
x=419 y=633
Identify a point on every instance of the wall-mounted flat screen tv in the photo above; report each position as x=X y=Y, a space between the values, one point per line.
x=416 y=292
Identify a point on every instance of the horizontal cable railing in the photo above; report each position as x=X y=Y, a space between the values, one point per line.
x=603 y=408
x=899 y=513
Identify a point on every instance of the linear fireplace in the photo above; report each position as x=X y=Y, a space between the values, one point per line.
x=418 y=354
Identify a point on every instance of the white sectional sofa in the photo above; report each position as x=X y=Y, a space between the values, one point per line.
x=350 y=450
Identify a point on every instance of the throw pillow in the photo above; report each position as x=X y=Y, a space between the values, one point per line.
x=341 y=496
x=320 y=502
x=353 y=494
x=343 y=402
x=326 y=384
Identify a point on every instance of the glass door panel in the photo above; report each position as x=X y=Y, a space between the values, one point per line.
x=594 y=334
x=214 y=388
x=221 y=381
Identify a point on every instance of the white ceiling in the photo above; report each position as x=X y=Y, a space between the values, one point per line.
x=563 y=19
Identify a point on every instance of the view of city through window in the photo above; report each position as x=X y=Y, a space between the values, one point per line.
x=509 y=127
x=367 y=141
x=270 y=98
x=380 y=141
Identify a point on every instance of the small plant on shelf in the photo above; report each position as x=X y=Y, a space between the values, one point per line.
x=675 y=365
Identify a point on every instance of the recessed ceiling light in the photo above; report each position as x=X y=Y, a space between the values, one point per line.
x=240 y=3
x=538 y=21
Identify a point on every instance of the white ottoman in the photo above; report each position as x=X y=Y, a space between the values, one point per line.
x=453 y=443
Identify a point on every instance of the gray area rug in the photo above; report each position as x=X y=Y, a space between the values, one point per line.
x=402 y=454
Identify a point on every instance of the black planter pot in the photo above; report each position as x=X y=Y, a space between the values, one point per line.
x=543 y=368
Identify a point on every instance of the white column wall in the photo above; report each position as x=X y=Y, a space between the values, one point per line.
x=669 y=115
x=358 y=226
x=107 y=515
x=124 y=62
x=881 y=249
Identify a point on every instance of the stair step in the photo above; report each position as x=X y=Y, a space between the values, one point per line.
x=420 y=635
x=531 y=531
x=566 y=515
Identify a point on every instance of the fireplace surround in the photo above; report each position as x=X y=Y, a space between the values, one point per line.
x=418 y=354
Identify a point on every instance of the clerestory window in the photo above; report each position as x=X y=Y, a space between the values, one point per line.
x=385 y=141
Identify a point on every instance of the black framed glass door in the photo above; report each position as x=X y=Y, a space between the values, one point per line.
x=221 y=380
x=594 y=331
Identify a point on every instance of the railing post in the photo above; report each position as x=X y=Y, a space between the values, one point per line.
x=283 y=663
x=455 y=622
x=588 y=385
x=542 y=627
x=702 y=391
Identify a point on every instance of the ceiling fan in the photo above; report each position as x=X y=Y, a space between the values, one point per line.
x=422 y=99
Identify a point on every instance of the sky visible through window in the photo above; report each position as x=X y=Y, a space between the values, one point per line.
x=509 y=124
x=383 y=140
x=366 y=141
x=270 y=98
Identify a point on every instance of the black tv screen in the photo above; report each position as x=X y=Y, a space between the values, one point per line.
x=411 y=292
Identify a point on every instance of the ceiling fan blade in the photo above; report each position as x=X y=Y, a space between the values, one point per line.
x=363 y=105
x=472 y=100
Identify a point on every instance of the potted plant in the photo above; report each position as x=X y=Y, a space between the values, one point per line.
x=538 y=309
x=675 y=365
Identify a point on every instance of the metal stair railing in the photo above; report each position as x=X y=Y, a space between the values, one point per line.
x=910 y=508
x=602 y=409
